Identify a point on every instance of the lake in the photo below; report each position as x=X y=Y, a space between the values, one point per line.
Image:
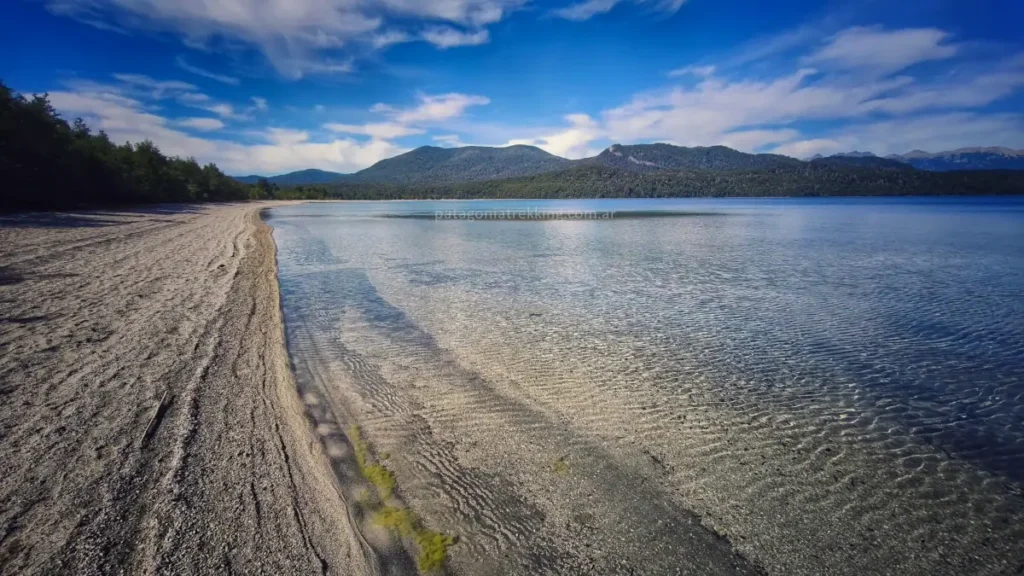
x=796 y=386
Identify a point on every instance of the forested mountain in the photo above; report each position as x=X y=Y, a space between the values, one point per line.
x=430 y=164
x=47 y=163
x=597 y=181
x=964 y=159
x=310 y=176
x=864 y=160
x=650 y=157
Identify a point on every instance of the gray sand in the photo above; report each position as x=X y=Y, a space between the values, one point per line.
x=101 y=314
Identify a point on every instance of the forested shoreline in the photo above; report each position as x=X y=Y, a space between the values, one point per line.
x=48 y=163
x=594 y=181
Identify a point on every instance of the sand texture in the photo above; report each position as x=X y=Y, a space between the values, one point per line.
x=148 y=418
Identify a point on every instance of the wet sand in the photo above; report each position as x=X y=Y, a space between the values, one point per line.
x=148 y=417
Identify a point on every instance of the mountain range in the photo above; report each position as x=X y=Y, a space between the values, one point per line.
x=964 y=159
x=431 y=165
x=309 y=176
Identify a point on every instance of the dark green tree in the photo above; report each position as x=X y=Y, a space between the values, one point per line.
x=47 y=163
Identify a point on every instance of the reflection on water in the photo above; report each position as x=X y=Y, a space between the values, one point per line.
x=825 y=383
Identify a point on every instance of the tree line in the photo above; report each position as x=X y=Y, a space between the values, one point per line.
x=48 y=163
x=597 y=181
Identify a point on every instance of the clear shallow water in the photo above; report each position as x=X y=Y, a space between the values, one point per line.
x=827 y=384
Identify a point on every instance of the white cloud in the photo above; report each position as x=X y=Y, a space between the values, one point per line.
x=193 y=98
x=284 y=150
x=319 y=67
x=385 y=39
x=379 y=130
x=142 y=87
x=587 y=9
x=204 y=124
x=772 y=112
x=881 y=50
x=286 y=136
x=572 y=142
x=708 y=112
x=429 y=110
x=298 y=37
x=756 y=139
x=704 y=113
x=432 y=108
x=223 y=110
x=700 y=71
x=972 y=89
x=181 y=63
x=259 y=103
x=448 y=37
x=449 y=140
x=932 y=132
x=128 y=111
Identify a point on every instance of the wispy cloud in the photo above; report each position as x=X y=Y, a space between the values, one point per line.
x=587 y=9
x=883 y=51
x=571 y=142
x=298 y=37
x=181 y=63
x=223 y=110
x=379 y=130
x=134 y=109
x=429 y=111
x=701 y=71
x=933 y=132
x=204 y=124
x=449 y=140
x=447 y=37
x=390 y=37
x=281 y=149
x=432 y=108
x=859 y=87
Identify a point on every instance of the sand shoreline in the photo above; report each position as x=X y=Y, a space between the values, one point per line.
x=150 y=422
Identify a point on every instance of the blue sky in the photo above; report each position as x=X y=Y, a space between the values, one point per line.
x=270 y=86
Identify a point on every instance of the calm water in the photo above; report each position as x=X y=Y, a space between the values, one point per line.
x=768 y=359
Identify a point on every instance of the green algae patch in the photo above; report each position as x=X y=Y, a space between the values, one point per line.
x=388 y=513
x=433 y=546
x=433 y=549
x=381 y=478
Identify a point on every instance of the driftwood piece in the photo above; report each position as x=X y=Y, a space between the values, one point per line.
x=158 y=415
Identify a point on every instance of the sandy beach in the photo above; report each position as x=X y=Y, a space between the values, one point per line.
x=149 y=422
